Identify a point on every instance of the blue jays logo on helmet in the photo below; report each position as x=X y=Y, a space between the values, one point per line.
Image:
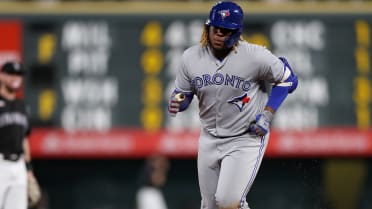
x=224 y=13
x=240 y=101
x=229 y=15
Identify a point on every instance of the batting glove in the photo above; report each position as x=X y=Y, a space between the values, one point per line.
x=174 y=105
x=262 y=124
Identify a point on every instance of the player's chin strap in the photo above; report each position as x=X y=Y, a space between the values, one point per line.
x=235 y=37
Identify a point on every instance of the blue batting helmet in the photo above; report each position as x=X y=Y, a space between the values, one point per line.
x=229 y=15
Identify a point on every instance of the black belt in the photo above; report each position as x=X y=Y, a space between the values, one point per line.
x=236 y=135
x=11 y=157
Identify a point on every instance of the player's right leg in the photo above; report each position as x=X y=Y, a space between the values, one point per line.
x=13 y=184
x=16 y=198
x=5 y=180
x=208 y=171
x=3 y=192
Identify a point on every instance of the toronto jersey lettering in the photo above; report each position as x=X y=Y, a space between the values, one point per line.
x=221 y=79
x=14 y=126
x=230 y=91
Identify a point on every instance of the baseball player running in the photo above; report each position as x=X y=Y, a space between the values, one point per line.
x=228 y=75
x=15 y=159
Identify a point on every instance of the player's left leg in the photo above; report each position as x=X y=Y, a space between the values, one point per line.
x=16 y=198
x=238 y=170
x=5 y=179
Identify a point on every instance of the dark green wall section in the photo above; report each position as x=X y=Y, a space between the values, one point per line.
x=111 y=184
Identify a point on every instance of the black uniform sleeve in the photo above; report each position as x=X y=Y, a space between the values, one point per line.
x=28 y=115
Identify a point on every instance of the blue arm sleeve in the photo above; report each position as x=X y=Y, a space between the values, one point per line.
x=277 y=96
x=279 y=92
x=185 y=103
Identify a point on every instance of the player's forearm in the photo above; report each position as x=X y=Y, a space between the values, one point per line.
x=26 y=150
x=27 y=155
x=276 y=98
x=281 y=89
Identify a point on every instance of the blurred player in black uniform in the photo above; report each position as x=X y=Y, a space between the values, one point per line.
x=152 y=178
x=15 y=158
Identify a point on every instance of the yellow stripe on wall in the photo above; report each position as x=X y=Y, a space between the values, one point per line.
x=140 y=7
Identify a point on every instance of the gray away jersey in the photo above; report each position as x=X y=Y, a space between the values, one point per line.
x=230 y=92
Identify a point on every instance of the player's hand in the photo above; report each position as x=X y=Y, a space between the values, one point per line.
x=175 y=104
x=33 y=190
x=262 y=124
